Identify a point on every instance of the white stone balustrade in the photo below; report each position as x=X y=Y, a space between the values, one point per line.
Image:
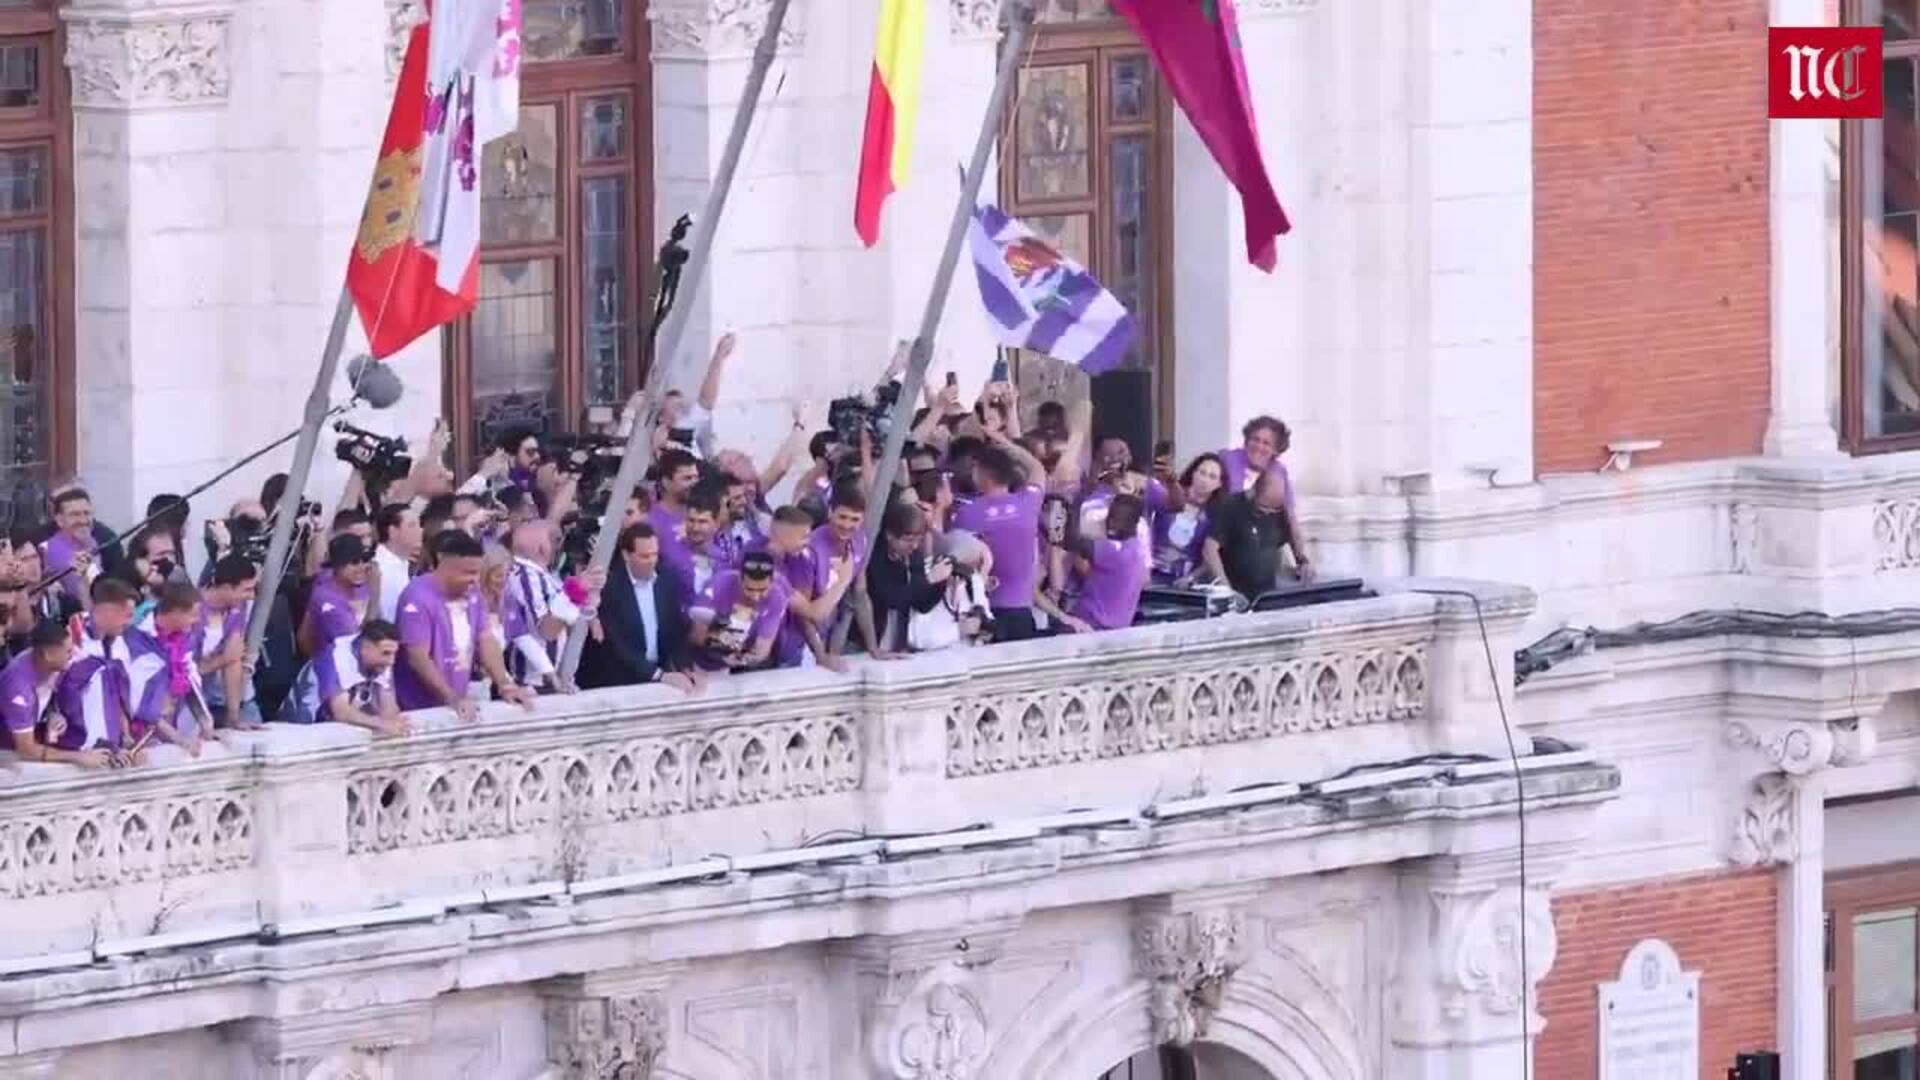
x=311 y=823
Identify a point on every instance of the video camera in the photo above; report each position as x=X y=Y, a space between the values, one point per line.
x=848 y=417
x=381 y=459
x=251 y=537
x=592 y=458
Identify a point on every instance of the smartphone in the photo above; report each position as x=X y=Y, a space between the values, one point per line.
x=682 y=436
x=1163 y=450
x=952 y=379
x=999 y=370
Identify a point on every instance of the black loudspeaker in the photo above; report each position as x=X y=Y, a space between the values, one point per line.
x=1759 y=1065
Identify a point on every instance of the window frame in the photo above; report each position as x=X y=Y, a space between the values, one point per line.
x=51 y=125
x=1854 y=435
x=1851 y=893
x=1097 y=43
x=567 y=83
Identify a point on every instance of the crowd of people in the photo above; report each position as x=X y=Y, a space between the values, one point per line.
x=420 y=592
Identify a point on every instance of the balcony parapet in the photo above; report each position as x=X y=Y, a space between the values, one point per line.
x=286 y=828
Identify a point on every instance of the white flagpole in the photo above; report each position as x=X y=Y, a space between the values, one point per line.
x=639 y=450
x=289 y=506
x=879 y=496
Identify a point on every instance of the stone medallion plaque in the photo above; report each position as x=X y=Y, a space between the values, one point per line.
x=1650 y=1018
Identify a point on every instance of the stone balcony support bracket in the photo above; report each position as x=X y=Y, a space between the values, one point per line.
x=126 y=57
x=334 y=1045
x=611 y=1024
x=1766 y=829
x=1188 y=949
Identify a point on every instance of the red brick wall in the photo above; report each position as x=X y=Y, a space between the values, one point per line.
x=1721 y=925
x=1650 y=229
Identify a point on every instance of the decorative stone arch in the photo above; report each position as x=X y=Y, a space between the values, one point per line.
x=1283 y=1030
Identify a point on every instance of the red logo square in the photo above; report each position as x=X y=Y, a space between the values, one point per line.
x=1824 y=73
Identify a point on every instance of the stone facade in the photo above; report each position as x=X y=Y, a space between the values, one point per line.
x=611 y=889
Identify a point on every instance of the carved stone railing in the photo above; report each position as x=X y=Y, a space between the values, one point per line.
x=302 y=823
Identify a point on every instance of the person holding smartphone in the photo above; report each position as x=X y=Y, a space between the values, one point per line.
x=902 y=582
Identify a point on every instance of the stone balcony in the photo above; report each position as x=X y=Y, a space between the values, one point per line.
x=794 y=790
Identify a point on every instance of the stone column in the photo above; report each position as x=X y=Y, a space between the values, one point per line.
x=609 y=1024
x=1474 y=946
x=1781 y=822
x=352 y=1044
x=1805 y=337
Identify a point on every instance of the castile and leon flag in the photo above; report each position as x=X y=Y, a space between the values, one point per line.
x=415 y=261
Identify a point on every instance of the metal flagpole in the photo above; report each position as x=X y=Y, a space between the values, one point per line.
x=879 y=496
x=639 y=450
x=289 y=507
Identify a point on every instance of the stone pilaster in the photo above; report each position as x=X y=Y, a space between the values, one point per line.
x=1805 y=330
x=1781 y=822
x=610 y=1025
x=1475 y=946
x=920 y=1006
x=221 y=156
x=356 y=1044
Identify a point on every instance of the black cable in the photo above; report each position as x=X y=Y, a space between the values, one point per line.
x=54 y=578
x=1520 y=813
x=1801 y=625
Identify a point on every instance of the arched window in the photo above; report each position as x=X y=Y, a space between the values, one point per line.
x=564 y=233
x=1086 y=160
x=36 y=257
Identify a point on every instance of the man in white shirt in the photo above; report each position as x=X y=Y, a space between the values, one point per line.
x=401 y=538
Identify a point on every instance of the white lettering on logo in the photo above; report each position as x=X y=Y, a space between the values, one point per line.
x=1836 y=75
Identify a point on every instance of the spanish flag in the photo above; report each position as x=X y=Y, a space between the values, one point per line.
x=886 y=149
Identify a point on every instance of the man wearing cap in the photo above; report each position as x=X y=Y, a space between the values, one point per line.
x=340 y=596
x=738 y=616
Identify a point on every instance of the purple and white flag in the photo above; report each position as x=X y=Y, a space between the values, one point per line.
x=1040 y=300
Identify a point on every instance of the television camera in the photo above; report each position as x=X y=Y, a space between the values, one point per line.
x=380 y=459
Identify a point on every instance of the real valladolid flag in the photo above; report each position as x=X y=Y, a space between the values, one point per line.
x=893 y=100
x=1038 y=299
x=415 y=262
x=1196 y=46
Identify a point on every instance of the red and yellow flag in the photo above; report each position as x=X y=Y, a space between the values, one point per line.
x=886 y=149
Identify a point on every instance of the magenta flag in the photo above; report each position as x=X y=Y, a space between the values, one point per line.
x=1196 y=46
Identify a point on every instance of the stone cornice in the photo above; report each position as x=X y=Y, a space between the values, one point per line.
x=719 y=29
x=579 y=950
x=148 y=57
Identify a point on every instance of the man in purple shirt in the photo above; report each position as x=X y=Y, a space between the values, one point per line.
x=163 y=680
x=678 y=472
x=444 y=630
x=690 y=548
x=843 y=541
x=352 y=683
x=340 y=596
x=27 y=688
x=1007 y=520
x=737 y=619
x=1113 y=569
x=72 y=546
x=815 y=581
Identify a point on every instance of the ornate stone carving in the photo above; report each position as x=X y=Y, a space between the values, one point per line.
x=615 y=1038
x=1487 y=965
x=1896 y=534
x=1188 y=957
x=402 y=17
x=973 y=20
x=1767 y=833
x=718 y=29
x=122 y=61
x=941 y=1034
x=125 y=839
x=1795 y=748
x=1233 y=700
x=512 y=794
